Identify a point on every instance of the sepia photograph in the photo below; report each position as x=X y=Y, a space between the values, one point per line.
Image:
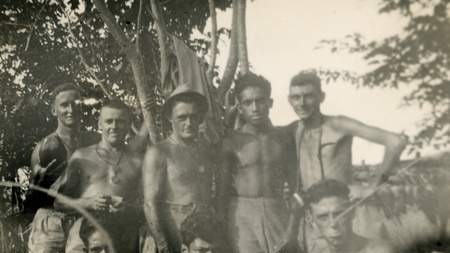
x=224 y=126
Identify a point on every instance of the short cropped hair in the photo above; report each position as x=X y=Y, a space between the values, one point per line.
x=204 y=225
x=86 y=231
x=306 y=77
x=63 y=87
x=252 y=80
x=327 y=188
x=117 y=104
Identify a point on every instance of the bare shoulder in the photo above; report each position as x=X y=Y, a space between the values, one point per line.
x=233 y=141
x=376 y=246
x=85 y=152
x=157 y=152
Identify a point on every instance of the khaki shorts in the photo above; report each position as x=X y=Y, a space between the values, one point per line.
x=257 y=225
x=49 y=231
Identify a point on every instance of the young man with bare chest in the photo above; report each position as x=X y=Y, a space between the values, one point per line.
x=105 y=179
x=178 y=172
x=255 y=167
x=48 y=161
x=324 y=143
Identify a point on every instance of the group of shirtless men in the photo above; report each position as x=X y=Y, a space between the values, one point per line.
x=185 y=195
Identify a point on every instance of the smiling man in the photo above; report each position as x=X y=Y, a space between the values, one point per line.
x=105 y=179
x=255 y=168
x=48 y=162
x=178 y=172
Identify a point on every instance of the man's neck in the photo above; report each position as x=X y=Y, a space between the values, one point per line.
x=182 y=141
x=67 y=132
x=257 y=129
x=314 y=121
x=111 y=147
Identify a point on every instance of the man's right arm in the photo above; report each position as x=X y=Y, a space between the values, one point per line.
x=154 y=174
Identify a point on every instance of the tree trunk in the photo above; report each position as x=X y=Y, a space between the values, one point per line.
x=212 y=63
x=162 y=37
x=242 y=37
x=144 y=90
x=232 y=62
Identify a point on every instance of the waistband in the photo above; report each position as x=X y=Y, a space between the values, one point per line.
x=185 y=207
x=258 y=199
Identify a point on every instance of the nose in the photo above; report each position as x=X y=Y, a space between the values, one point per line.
x=254 y=106
x=301 y=100
x=70 y=108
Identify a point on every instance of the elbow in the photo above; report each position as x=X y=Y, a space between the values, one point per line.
x=399 y=143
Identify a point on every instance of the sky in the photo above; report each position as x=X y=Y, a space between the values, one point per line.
x=282 y=37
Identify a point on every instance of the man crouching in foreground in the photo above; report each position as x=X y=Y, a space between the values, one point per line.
x=328 y=199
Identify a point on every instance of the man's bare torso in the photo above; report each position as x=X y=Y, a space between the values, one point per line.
x=324 y=152
x=100 y=176
x=259 y=163
x=189 y=172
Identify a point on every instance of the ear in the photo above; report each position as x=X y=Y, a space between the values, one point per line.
x=270 y=102
x=184 y=248
x=322 y=96
x=53 y=110
x=99 y=124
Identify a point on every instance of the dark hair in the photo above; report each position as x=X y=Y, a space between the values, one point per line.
x=252 y=80
x=189 y=98
x=306 y=77
x=63 y=87
x=117 y=104
x=86 y=231
x=327 y=188
x=203 y=225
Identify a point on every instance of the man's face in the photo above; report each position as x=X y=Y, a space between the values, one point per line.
x=97 y=244
x=185 y=119
x=66 y=108
x=254 y=105
x=305 y=100
x=200 y=246
x=325 y=213
x=114 y=124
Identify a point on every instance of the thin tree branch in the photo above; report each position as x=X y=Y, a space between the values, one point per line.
x=83 y=58
x=162 y=37
x=212 y=63
x=232 y=62
x=33 y=26
x=242 y=37
x=117 y=32
x=139 y=27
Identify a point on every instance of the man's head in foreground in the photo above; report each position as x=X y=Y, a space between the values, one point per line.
x=328 y=199
x=185 y=110
x=253 y=93
x=92 y=239
x=202 y=233
x=305 y=94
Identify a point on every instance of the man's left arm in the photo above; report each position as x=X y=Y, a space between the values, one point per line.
x=393 y=143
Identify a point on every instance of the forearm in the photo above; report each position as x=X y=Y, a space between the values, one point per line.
x=151 y=215
x=392 y=154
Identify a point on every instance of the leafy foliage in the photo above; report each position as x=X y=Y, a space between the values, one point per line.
x=417 y=58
